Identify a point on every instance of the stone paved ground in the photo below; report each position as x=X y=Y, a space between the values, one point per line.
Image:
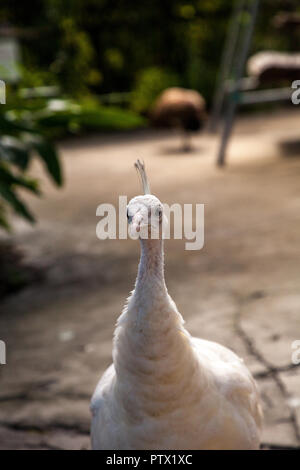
x=242 y=289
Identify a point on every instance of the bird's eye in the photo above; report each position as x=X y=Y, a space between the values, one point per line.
x=129 y=217
x=158 y=212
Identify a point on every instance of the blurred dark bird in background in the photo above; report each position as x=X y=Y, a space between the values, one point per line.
x=181 y=109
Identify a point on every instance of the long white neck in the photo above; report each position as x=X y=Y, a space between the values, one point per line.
x=151 y=263
x=151 y=346
x=150 y=289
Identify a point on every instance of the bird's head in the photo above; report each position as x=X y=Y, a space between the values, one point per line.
x=145 y=212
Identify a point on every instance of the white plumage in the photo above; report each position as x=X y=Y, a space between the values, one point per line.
x=166 y=389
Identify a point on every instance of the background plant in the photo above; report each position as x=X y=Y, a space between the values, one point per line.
x=103 y=46
x=20 y=141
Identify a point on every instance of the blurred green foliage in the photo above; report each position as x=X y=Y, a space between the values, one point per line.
x=20 y=140
x=103 y=46
x=150 y=82
x=58 y=117
x=67 y=116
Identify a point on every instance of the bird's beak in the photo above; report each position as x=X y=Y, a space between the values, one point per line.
x=136 y=222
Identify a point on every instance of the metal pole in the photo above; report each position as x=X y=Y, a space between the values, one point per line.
x=233 y=97
x=226 y=64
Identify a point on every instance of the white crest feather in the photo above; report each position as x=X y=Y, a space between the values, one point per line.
x=142 y=172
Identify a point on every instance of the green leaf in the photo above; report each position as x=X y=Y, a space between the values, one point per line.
x=49 y=155
x=3 y=220
x=7 y=178
x=19 y=207
x=14 y=126
x=15 y=151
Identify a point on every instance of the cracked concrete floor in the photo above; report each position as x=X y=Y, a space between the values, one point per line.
x=242 y=289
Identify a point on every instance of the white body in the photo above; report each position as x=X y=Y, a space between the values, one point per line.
x=166 y=389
